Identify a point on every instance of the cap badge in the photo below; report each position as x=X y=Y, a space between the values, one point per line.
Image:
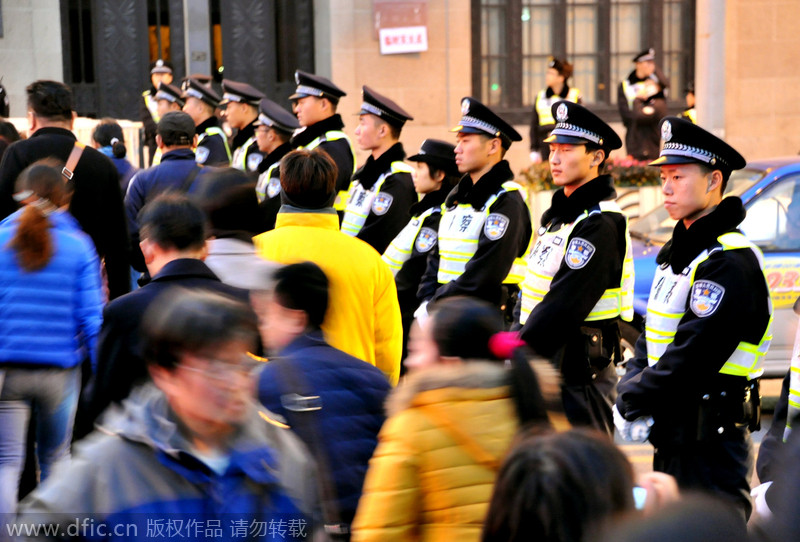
x=562 y=113
x=464 y=106
x=159 y=63
x=666 y=131
x=296 y=78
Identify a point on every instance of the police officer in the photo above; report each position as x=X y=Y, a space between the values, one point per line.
x=542 y=121
x=314 y=102
x=636 y=86
x=241 y=111
x=579 y=277
x=168 y=98
x=212 y=143
x=160 y=71
x=690 y=113
x=382 y=191
x=434 y=176
x=274 y=128
x=486 y=226
x=694 y=374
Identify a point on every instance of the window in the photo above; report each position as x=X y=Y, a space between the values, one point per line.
x=513 y=40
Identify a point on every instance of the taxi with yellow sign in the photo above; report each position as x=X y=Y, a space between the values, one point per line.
x=770 y=191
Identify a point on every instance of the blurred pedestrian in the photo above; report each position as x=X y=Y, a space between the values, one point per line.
x=333 y=401
x=173 y=242
x=363 y=316
x=450 y=425
x=634 y=87
x=193 y=448
x=274 y=129
x=96 y=202
x=314 y=102
x=690 y=113
x=643 y=140
x=52 y=301
x=381 y=192
x=108 y=138
x=542 y=122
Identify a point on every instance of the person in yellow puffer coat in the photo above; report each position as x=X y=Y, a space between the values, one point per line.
x=449 y=426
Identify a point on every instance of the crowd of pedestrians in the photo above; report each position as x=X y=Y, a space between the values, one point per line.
x=256 y=337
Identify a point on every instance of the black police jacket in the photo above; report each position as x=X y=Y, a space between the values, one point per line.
x=339 y=149
x=211 y=149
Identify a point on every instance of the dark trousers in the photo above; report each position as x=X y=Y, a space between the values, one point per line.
x=721 y=467
x=590 y=404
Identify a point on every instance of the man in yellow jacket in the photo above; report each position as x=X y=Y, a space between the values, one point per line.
x=363 y=317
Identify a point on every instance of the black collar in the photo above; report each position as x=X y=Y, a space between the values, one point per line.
x=182 y=268
x=317 y=129
x=565 y=209
x=685 y=244
x=54 y=130
x=274 y=156
x=373 y=168
x=431 y=199
x=210 y=122
x=244 y=134
x=633 y=79
x=563 y=94
x=488 y=185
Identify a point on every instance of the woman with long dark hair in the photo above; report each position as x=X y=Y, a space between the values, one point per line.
x=50 y=314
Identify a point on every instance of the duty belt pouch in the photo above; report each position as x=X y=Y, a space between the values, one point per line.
x=752 y=405
x=595 y=351
x=722 y=412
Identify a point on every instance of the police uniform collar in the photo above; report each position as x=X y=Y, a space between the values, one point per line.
x=274 y=156
x=565 y=209
x=685 y=246
x=373 y=168
x=563 y=94
x=312 y=132
x=210 y=122
x=476 y=194
x=243 y=135
x=431 y=199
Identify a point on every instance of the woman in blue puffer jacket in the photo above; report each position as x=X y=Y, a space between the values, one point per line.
x=51 y=305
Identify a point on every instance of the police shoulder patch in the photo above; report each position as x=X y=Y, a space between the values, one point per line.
x=579 y=252
x=253 y=160
x=426 y=239
x=274 y=187
x=495 y=226
x=706 y=297
x=201 y=155
x=381 y=203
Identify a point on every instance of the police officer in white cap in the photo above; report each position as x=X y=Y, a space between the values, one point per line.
x=274 y=128
x=382 y=191
x=579 y=277
x=240 y=101
x=314 y=102
x=160 y=72
x=694 y=376
x=486 y=226
x=201 y=104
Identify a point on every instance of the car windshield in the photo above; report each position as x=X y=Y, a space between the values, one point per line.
x=657 y=226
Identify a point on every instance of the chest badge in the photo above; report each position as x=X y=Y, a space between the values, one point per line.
x=706 y=297
x=579 y=252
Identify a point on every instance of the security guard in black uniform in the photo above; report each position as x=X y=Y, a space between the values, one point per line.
x=168 y=98
x=160 y=71
x=314 y=102
x=579 y=277
x=382 y=191
x=486 y=226
x=694 y=374
x=240 y=101
x=212 y=143
x=274 y=128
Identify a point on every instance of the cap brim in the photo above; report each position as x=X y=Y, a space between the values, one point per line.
x=471 y=130
x=298 y=95
x=672 y=159
x=568 y=140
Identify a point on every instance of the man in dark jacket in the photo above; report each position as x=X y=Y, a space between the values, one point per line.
x=177 y=172
x=174 y=245
x=317 y=387
x=96 y=201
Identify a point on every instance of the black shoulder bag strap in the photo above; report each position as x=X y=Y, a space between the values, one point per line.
x=187 y=183
x=301 y=404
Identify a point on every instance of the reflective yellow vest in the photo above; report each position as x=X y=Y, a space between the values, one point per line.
x=216 y=130
x=459 y=233
x=361 y=202
x=544 y=104
x=340 y=203
x=267 y=185
x=547 y=256
x=631 y=91
x=240 y=161
x=152 y=105
x=399 y=250
x=669 y=298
